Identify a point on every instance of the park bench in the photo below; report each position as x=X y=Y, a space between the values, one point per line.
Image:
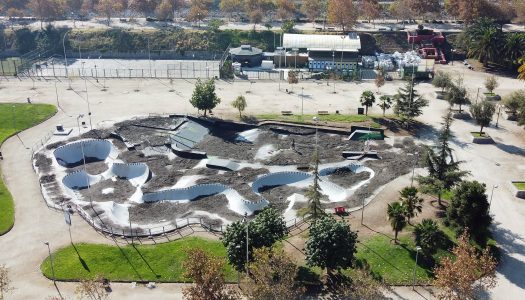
x=286 y=113
x=322 y=112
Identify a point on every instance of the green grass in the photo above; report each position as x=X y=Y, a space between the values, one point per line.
x=394 y=263
x=479 y=135
x=25 y=116
x=7 y=66
x=159 y=263
x=519 y=185
x=327 y=118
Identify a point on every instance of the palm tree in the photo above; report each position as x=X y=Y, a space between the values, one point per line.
x=429 y=237
x=513 y=47
x=485 y=46
x=367 y=100
x=411 y=201
x=396 y=215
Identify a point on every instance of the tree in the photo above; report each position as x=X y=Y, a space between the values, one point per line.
x=457 y=94
x=400 y=9
x=465 y=274
x=293 y=78
x=443 y=170
x=92 y=289
x=285 y=9
x=482 y=112
x=45 y=9
x=385 y=102
x=257 y=9
x=371 y=9
x=230 y=7
x=514 y=101
x=363 y=286
x=427 y=7
x=379 y=81
x=165 y=10
x=312 y=9
x=396 y=215
x=491 y=83
x=199 y=10
x=272 y=275
x=331 y=245
x=367 y=99
x=204 y=97
x=240 y=104
x=411 y=202
x=342 y=13
x=408 y=104
x=429 y=237
x=514 y=47
x=108 y=8
x=314 y=191
x=469 y=208
x=5 y=282
x=442 y=80
x=484 y=44
x=266 y=229
x=208 y=277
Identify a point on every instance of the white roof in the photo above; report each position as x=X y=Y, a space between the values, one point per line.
x=318 y=42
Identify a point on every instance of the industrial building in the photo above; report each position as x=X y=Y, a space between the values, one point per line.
x=320 y=52
x=247 y=56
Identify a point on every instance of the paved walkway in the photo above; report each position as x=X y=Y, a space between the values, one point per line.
x=22 y=249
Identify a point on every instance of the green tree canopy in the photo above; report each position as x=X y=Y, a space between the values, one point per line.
x=442 y=80
x=469 y=209
x=457 y=94
x=408 y=104
x=396 y=215
x=331 y=244
x=429 y=237
x=411 y=201
x=483 y=112
x=240 y=104
x=367 y=99
x=385 y=102
x=267 y=228
x=204 y=97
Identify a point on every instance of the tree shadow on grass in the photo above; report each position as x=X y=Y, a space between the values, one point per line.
x=127 y=258
x=82 y=261
x=146 y=262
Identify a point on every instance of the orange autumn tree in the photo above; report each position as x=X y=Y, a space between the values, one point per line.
x=469 y=271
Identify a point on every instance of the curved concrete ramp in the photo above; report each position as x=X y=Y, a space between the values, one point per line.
x=136 y=173
x=279 y=178
x=237 y=204
x=71 y=154
x=188 y=193
x=222 y=164
x=79 y=180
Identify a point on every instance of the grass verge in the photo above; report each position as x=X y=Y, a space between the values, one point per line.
x=479 y=135
x=159 y=263
x=326 y=118
x=519 y=185
x=15 y=118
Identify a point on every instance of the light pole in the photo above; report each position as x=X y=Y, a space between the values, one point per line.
x=333 y=67
x=238 y=247
x=56 y=93
x=342 y=47
x=78 y=122
x=477 y=95
x=316 y=119
x=499 y=112
x=413 y=168
x=89 y=107
x=492 y=194
x=64 y=46
x=14 y=117
x=415 y=264
x=247 y=223
x=51 y=261
x=302 y=101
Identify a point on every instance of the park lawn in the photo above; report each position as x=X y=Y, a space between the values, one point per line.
x=25 y=116
x=479 y=135
x=519 y=185
x=158 y=263
x=326 y=118
x=393 y=263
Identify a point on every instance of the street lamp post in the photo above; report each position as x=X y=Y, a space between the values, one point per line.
x=333 y=67
x=413 y=168
x=14 y=117
x=492 y=194
x=302 y=101
x=89 y=107
x=51 y=261
x=477 y=95
x=499 y=112
x=56 y=93
x=238 y=247
x=65 y=57
x=415 y=264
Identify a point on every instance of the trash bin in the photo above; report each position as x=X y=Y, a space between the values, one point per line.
x=360 y=110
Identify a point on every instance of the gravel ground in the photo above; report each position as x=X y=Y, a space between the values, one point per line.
x=43 y=163
x=344 y=177
x=123 y=190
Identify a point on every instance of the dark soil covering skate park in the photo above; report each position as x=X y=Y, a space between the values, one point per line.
x=157 y=174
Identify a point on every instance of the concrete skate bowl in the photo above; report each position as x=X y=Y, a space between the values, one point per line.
x=73 y=154
x=136 y=173
x=236 y=202
x=278 y=179
x=79 y=180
